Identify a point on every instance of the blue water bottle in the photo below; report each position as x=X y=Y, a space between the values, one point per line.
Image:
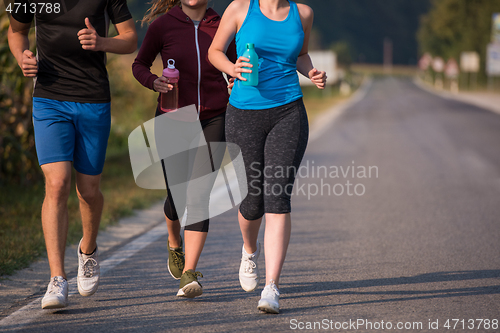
x=252 y=78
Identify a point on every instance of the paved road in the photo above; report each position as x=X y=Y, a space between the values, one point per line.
x=418 y=243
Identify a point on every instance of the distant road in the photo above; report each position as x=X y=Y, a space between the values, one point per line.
x=415 y=245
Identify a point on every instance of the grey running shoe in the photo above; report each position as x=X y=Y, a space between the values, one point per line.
x=57 y=294
x=189 y=286
x=175 y=261
x=249 y=272
x=269 y=299
x=88 y=272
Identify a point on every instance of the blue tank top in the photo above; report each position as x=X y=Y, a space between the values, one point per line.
x=278 y=44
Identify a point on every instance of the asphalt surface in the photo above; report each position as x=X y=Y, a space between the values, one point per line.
x=414 y=243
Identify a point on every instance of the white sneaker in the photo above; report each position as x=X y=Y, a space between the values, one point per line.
x=269 y=299
x=88 y=272
x=249 y=272
x=57 y=294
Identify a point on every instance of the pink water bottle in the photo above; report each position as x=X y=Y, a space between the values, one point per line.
x=169 y=100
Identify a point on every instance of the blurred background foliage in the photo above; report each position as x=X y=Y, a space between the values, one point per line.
x=18 y=161
x=454 y=26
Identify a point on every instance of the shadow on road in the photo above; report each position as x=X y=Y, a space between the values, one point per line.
x=336 y=288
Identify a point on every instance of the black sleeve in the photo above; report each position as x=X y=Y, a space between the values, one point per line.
x=231 y=52
x=118 y=11
x=19 y=13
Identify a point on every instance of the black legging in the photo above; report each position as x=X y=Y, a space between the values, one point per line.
x=272 y=143
x=197 y=200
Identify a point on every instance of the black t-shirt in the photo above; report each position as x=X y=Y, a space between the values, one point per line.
x=66 y=71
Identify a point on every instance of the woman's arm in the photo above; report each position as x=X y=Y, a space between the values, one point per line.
x=230 y=23
x=304 y=63
x=151 y=46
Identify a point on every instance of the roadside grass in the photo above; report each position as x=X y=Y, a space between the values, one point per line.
x=21 y=236
x=318 y=101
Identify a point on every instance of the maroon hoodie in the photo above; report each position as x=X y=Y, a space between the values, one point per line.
x=174 y=36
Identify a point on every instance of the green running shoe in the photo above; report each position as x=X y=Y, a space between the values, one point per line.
x=189 y=286
x=175 y=261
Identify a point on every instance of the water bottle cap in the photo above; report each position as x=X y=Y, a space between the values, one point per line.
x=170 y=71
x=250 y=46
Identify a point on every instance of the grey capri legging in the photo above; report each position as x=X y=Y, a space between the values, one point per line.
x=197 y=202
x=272 y=143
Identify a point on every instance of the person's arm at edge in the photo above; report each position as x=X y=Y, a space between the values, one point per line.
x=304 y=63
x=150 y=47
x=17 y=36
x=123 y=43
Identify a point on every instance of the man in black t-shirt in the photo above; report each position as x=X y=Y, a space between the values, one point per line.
x=71 y=117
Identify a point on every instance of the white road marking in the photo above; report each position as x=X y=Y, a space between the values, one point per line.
x=33 y=310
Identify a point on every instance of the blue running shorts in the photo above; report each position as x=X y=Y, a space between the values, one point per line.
x=70 y=131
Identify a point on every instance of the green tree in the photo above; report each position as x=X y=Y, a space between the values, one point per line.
x=343 y=51
x=454 y=26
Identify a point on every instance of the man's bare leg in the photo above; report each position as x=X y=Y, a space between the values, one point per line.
x=91 y=204
x=55 y=213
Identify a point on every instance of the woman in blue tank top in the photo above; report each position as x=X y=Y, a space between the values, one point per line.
x=269 y=124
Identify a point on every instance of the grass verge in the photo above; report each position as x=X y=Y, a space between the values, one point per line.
x=318 y=101
x=21 y=233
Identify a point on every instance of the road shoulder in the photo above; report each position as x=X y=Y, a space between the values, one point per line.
x=486 y=100
x=26 y=284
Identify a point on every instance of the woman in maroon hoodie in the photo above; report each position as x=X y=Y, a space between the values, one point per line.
x=184 y=32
